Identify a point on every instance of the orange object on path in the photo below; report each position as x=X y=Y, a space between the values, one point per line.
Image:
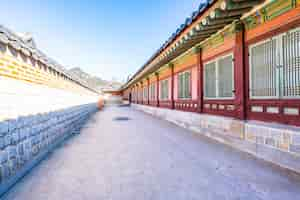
x=100 y=103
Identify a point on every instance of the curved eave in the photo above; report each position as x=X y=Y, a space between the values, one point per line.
x=213 y=18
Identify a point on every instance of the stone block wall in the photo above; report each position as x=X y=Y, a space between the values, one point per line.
x=275 y=143
x=25 y=140
x=34 y=118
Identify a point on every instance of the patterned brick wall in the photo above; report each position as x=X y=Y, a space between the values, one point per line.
x=40 y=106
x=33 y=119
x=25 y=140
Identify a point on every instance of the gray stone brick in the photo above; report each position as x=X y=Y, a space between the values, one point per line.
x=20 y=161
x=3 y=128
x=15 y=137
x=35 y=150
x=4 y=170
x=23 y=158
x=7 y=140
x=12 y=125
x=260 y=140
x=13 y=165
x=295 y=148
x=20 y=122
x=23 y=133
x=27 y=154
x=12 y=152
x=2 y=142
x=20 y=149
x=3 y=156
x=27 y=144
x=271 y=142
x=296 y=139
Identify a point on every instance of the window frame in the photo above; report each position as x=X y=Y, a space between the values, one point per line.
x=250 y=70
x=190 y=85
x=279 y=62
x=152 y=87
x=145 y=93
x=216 y=61
x=161 y=89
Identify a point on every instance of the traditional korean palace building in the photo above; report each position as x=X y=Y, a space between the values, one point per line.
x=236 y=65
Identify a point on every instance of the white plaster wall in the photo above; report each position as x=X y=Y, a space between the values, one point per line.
x=20 y=98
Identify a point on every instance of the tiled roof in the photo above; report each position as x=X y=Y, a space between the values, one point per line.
x=27 y=47
x=221 y=14
x=201 y=8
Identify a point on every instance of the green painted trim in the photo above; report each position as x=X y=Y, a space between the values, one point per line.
x=170 y=65
x=279 y=12
x=269 y=12
x=196 y=49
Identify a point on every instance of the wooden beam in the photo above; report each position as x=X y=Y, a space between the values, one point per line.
x=226 y=20
x=212 y=27
x=219 y=14
x=239 y=4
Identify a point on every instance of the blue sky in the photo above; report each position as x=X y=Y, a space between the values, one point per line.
x=107 y=38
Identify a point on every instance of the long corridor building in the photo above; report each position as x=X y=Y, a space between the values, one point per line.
x=231 y=71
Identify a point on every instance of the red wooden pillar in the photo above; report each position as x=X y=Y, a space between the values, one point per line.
x=240 y=74
x=133 y=94
x=171 y=65
x=157 y=89
x=148 y=91
x=134 y=91
x=198 y=52
x=142 y=92
x=137 y=93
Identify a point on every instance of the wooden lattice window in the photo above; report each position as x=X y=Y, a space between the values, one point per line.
x=210 y=80
x=164 y=89
x=275 y=67
x=291 y=64
x=152 y=91
x=145 y=93
x=141 y=94
x=219 y=78
x=184 y=85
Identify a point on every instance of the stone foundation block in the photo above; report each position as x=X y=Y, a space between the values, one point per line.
x=2 y=142
x=295 y=149
x=3 y=128
x=12 y=125
x=270 y=141
x=15 y=137
x=13 y=166
x=296 y=139
x=4 y=171
x=7 y=140
x=237 y=129
x=20 y=149
x=3 y=156
x=12 y=152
